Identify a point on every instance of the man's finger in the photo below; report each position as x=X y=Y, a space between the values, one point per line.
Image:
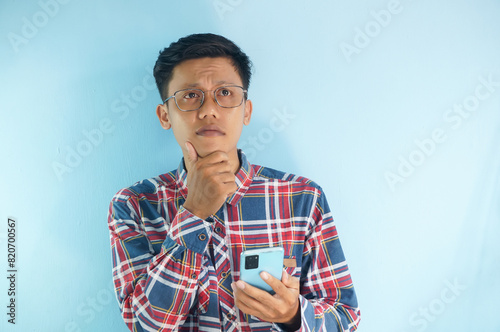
x=192 y=154
x=290 y=281
x=251 y=297
x=277 y=285
x=217 y=157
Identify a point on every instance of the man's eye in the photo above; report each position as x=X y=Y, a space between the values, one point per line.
x=191 y=95
x=224 y=92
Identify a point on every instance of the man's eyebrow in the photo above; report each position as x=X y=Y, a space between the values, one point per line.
x=196 y=85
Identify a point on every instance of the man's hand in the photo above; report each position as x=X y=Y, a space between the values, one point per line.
x=210 y=181
x=282 y=307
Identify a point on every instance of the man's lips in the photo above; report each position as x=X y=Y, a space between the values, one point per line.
x=210 y=130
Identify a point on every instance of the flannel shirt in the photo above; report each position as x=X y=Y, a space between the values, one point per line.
x=173 y=271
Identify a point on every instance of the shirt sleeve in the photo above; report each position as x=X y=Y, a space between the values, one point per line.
x=155 y=291
x=327 y=298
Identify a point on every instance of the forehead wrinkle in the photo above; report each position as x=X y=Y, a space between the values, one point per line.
x=197 y=73
x=210 y=73
x=218 y=83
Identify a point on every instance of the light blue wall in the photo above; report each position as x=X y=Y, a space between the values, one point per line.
x=345 y=93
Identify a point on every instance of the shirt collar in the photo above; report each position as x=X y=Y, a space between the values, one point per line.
x=243 y=179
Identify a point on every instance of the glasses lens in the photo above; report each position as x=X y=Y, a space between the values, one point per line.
x=229 y=96
x=189 y=100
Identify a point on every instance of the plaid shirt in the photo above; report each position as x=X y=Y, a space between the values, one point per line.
x=173 y=271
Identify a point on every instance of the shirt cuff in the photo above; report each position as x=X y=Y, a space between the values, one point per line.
x=190 y=231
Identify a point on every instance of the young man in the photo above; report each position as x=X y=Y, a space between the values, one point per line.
x=176 y=239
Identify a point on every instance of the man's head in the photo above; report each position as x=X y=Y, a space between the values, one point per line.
x=194 y=47
x=202 y=81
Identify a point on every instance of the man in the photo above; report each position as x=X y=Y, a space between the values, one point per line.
x=176 y=239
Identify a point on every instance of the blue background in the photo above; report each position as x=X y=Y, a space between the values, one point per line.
x=347 y=94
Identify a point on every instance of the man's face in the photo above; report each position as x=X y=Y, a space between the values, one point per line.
x=211 y=127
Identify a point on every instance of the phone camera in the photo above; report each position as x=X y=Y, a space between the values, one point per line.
x=252 y=262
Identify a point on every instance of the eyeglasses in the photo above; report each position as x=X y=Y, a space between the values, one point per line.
x=191 y=99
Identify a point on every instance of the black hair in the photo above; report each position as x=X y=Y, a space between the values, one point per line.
x=199 y=46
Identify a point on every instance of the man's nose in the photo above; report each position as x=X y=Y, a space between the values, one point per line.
x=209 y=107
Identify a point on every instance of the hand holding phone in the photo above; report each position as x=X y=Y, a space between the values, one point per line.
x=253 y=262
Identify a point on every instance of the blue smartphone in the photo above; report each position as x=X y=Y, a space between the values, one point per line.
x=253 y=262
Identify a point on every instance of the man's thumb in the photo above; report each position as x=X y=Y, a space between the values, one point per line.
x=192 y=154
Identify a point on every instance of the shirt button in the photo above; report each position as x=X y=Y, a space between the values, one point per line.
x=202 y=237
x=217 y=230
x=223 y=274
x=193 y=276
x=230 y=316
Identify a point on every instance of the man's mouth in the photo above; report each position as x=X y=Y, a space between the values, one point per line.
x=210 y=131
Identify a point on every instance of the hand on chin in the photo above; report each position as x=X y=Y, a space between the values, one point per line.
x=204 y=148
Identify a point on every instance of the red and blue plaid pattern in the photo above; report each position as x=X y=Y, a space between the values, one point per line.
x=172 y=270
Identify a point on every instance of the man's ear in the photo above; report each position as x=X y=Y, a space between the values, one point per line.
x=162 y=113
x=247 y=113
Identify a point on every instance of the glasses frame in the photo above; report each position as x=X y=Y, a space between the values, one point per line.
x=203 y=97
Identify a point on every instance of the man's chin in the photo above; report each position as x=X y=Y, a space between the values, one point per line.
x=206 y=149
